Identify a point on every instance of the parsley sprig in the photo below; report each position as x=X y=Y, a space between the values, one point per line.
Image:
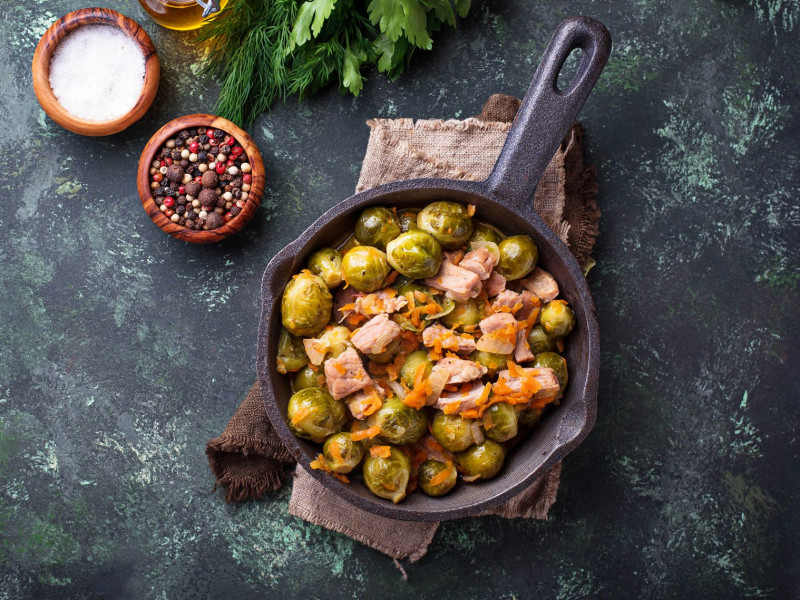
x=263 y=50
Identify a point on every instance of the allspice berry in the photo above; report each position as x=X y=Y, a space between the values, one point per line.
x=193 y=189
x=208 y=198
x=214 y=220
x=209 y=179
x=174 y=173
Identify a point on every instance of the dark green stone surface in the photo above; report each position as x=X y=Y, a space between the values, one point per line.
x=123 y=351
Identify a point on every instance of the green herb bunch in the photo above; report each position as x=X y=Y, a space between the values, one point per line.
x=263 y=50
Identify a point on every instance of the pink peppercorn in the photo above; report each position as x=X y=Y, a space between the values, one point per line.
x=220 y=168
x=194 y=147
x=169 y=201
x=247 y=178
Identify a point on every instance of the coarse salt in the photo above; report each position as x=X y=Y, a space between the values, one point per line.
x=97 y=73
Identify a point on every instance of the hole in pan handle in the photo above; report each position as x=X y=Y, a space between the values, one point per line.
x=547 y=113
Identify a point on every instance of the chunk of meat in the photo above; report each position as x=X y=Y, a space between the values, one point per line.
x=522 y=349
x=499 y=333
x=462 y=400
x=383 y=301
x=460 y=370
x=494 y=285
x=365 y=402
x=507 y=301
x=454 y=256
x=460 y=343
x=532 y=384
x=458 y=283
x=479 y=261
x=373 y=337
x=346 y=374
x=542 y=284
x=530 y=303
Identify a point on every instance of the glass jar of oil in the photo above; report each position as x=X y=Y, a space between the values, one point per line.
x=178 y=14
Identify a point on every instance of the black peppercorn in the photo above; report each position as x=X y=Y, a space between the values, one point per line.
x=208 y=198
x=219 y=134
x=225 y=149
x=179 y=142
x=236 y=182
x=193 y=188
x=187 y=134
x=175 y=172
x=235 y=210
x=181 y=200
x=192 y=214
x=214 y=220
x=181 y=209
x=203 y=139
x=185 y=163
x=175 y=155
x=201 y=156
x=237 y=193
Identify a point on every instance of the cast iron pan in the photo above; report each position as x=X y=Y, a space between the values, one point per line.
x=505 y=199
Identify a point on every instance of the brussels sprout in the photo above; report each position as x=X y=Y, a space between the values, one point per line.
x=407 y=217
x=482 y=461
x=431 y=469
x=291 y=353
x=453 y=432
x=551 y=360
x=465 y=314
x=539 y=341
x=314 y=414
x=338 y=339
x=306 y=305
x=415 y=254
x=492 y=361
x=483 y=232
x=557 y=318
x=500 y=422
x=530 y=417
x=377 y=226
x=388 y=477
x=518 y=256
x=389 y=353
x=307 y=378
x=327 y=264
x=413 y=361
x=341 y=453
x=448 y=222
x=400 y=424
x=365 y=268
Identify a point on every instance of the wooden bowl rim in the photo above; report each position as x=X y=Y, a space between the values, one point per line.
x=44 y=53
x=256 y=187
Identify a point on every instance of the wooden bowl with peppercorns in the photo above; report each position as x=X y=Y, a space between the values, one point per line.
x=200 y=178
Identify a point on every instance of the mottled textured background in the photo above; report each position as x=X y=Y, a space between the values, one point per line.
x=124 y=350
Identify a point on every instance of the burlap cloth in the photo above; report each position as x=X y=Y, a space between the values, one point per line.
x=249 y=459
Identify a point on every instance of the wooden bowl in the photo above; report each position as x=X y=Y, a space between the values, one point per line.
x=41 y=70
x=157 y=142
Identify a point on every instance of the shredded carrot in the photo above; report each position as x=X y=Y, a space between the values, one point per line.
x=434 y=445
x=341 y=477
x=390 y=279
x=302 y=414
x=336 y=452
x=368 y=433
x=560 y=344
x=442 y=476
x=487 y=389
x=514 y=369
x=451 y=408
x=382 y=451
x=470 y=210
x=348 y=306
x=319 y=463
x=340 y=368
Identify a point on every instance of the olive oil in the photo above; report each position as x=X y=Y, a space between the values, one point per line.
x=177 y=14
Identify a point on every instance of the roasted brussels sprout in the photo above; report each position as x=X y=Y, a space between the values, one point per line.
x=518 y=256
x=365 y=268
x=291 y=353
x=490 y=360
x=551 y=360
x=483 y=232
x=409 y=369
x=400 y=424
x=482 y=461
x=539 y=341
x=338 y=339
x=307 y=378
x=529 y=417
x=465 y=314
x=415 y=254
x=377 y=226
x=500 y=422
x=436 y=478
x=306 y=305
x=453 y=432
x=314 y=414
x=388 y=477
x=341 y=453
x=448 y=222
x=407 y=217
x=327 y=264
x=557 y=318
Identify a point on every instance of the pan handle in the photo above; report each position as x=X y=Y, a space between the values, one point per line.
x=547 y=113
